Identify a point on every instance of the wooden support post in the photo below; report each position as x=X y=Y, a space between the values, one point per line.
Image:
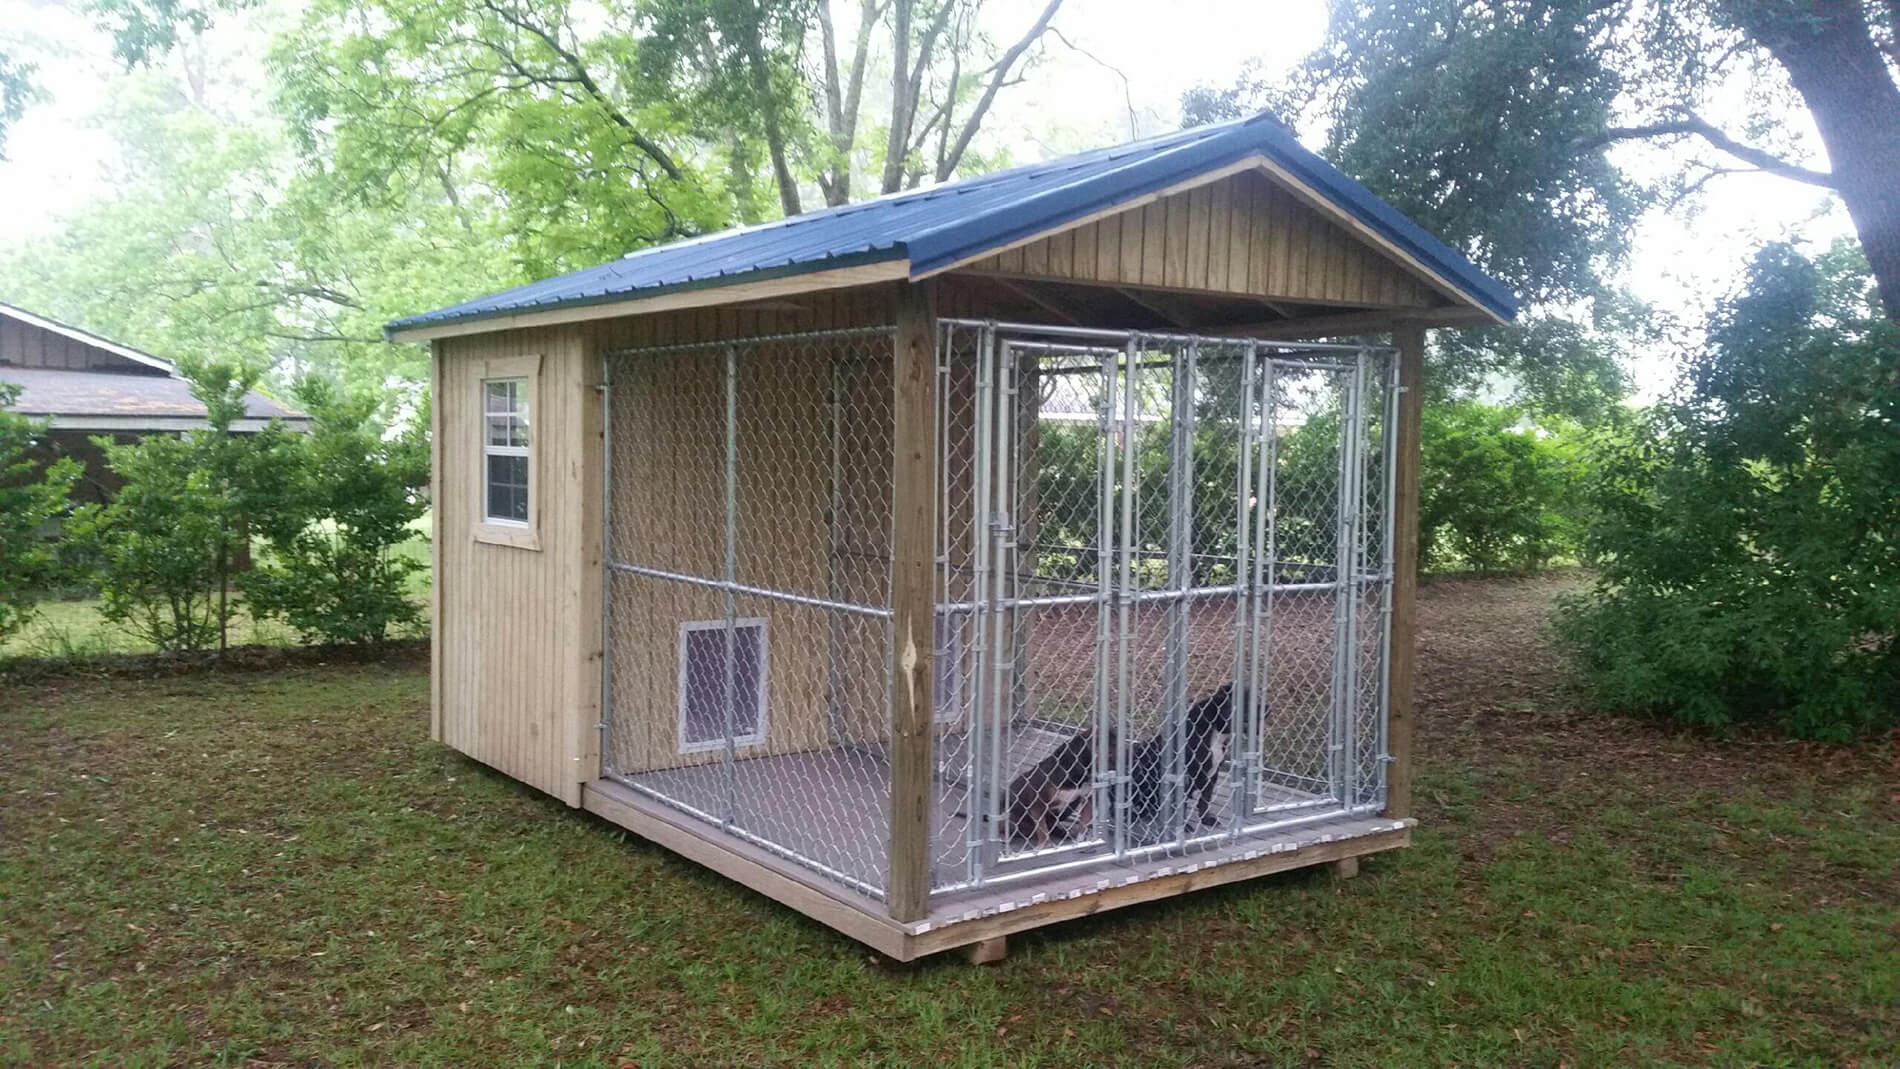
x=913 y=598
x=1410 y=341
x=988 y=951
x=1345 y=868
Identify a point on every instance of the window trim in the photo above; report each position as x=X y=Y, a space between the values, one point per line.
x=763 y=731
x=513 y=533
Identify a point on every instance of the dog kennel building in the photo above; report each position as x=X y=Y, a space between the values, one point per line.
x=794 y=548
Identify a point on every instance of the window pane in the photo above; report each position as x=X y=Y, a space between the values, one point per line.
x=508 y=488
x=499 y=431
x=501 y=396
x=706 y=681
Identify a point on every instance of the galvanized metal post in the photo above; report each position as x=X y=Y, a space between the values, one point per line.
x=1002 y=583
x=1342 y=543
x=1353 y=581
x=1242 y=740
x=1388 y=434
x=732 y=576
x=606 y=557
x=1180 y=578
x=1125 y=594
x=983 y=834
x=1265 y=570
x=1106 y=761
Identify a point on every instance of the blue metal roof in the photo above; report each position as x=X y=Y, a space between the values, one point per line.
x=956 y=221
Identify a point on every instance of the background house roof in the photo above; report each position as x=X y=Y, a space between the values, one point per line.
x=105 y=401
x=950 y=223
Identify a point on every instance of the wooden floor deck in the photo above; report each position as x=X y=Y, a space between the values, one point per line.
x=837 y=813
x=831 y=808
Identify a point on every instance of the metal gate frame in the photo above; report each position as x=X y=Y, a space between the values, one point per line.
x=1359 y=702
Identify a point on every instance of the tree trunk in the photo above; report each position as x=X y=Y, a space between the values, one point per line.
x=1830 y=55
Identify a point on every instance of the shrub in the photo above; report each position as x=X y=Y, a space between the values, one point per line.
x=164 y=552
x=1496 y=490
x=334 y=570
x=29 y=497
x=1748 y=531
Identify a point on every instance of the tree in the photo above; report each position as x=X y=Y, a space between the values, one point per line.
x=639 y=124
x=1746 y=531
x=17 y=90
x=30 y=495
x=336 y=570
x=1461 y=114
x=199 y=248
x=165 y=552
x=1488 y=119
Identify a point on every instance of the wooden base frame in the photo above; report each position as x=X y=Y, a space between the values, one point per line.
x=981 y=923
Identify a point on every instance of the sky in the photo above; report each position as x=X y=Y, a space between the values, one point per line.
x=1117 y=71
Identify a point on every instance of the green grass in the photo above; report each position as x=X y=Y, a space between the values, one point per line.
x=281 y=868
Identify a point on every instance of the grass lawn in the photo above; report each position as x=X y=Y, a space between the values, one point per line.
x=275 y=868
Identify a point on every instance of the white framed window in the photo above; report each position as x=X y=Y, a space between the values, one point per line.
x=707 y=679
x=506 y=478
x=950 y=664
x=507 y=470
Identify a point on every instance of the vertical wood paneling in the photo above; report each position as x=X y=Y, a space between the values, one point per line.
x=1220 y=235
x=514 y=654
x=1199 y=222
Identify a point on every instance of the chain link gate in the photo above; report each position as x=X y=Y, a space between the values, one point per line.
x=1165 y=569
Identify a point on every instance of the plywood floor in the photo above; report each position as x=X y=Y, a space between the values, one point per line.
x=829 y=810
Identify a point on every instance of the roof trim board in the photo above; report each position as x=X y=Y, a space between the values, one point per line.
x=85 y=337
x=935 y=229
x=247 y=425
x=701 y=294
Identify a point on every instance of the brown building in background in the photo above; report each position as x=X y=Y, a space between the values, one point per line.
x=87 y=386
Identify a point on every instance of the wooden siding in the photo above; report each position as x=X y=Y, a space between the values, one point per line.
x=516 y=674
x=1242 y=235
x=25 y=345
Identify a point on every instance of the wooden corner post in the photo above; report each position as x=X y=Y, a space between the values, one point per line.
x=1410 y=342
x=913 y=597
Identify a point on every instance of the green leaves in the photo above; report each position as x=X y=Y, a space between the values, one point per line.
x=33 y=491
x=338 y=568
x=1748 y=530
x=165 y=552
x=1465 y=116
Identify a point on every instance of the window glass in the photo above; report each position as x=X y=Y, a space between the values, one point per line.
x=505 y=464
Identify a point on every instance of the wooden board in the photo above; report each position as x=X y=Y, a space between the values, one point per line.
x=962 y=920
x=913 y=599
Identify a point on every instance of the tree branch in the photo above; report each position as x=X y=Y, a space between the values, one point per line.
x=999 y=77
x=1694 y=125
x=581 y=77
